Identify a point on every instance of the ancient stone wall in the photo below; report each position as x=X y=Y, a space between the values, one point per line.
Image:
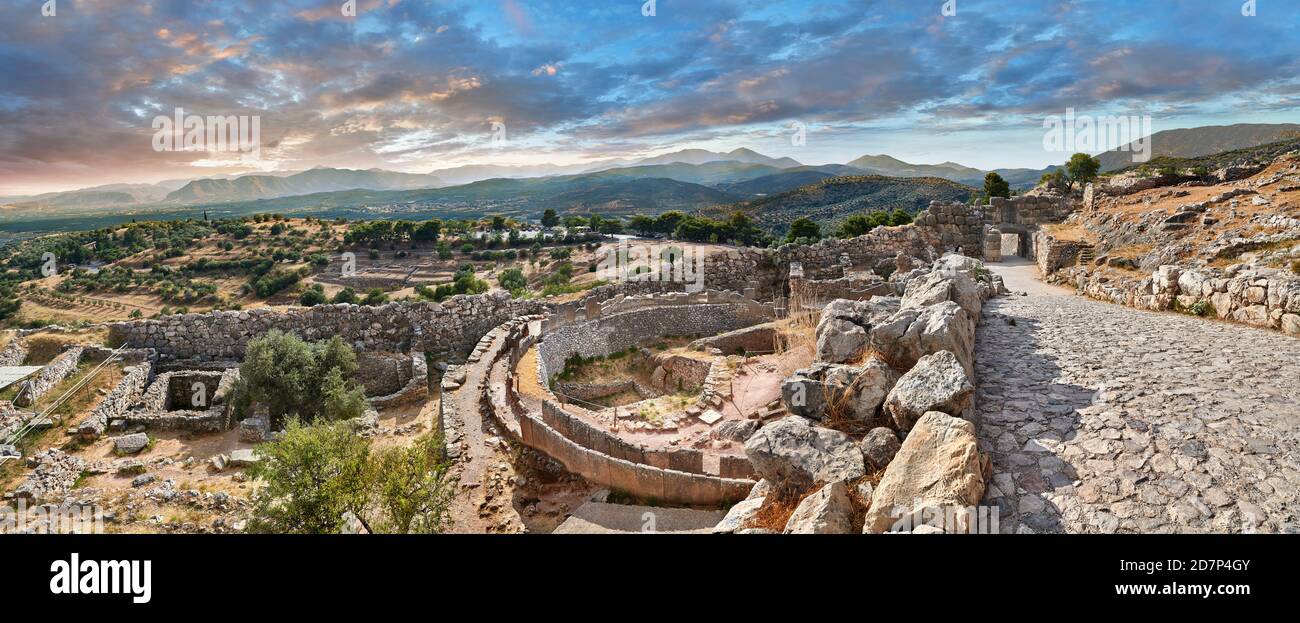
x=639 y=479
x=1053 y=254
x=609 y=334
x=61 y=367
x=14 y=353
x=415 y=389
x=1263 y=298
x=126 y=393
x=449 y=329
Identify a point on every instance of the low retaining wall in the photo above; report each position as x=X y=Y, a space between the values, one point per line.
x=1270 y=299
x=641 y=480
x=61 y=367
x=127 y=393
x=415 y=389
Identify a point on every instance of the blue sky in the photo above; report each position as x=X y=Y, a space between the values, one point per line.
x=416 y=85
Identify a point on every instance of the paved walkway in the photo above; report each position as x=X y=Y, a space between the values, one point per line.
x=1102 y=418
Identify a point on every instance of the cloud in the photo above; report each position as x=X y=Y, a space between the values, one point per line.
x=409 y=80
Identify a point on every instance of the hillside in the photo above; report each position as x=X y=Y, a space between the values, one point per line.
x=832 y=199
x=1203 y=141
x=318 y=180
x=1238 y=157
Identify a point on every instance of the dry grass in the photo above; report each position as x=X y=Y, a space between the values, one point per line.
x=44 y=347
x=1070 y=232
x=777 y=509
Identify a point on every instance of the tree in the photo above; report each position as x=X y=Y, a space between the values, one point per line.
x=1054 y=179
x=375 y=297
x=550 y=218
x=513 y=280
x=315 y=475
x=294 y=378
x=642 y=224
x=803 y=227
x=427 y=231
x=855 y=225
x=313 y=296
x=995 y=186
x=899 y=217
x=1082 y=169
x=413 y=488
x=346 y=295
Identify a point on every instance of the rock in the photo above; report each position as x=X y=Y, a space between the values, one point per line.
x=738 y=516
x=945 y=326
x=938 y=469
x=938 y=287
x=828 y=511
x=842 y=332
x=1291 y=323
x=879 y=447
x=850 y=393
x=244 y=458
x=8 y=450
x=793 y=455
x=736 y=430
x=142 y=480
x=219 y=462
x=254 y=429
x=937 y=383
x=130 y=444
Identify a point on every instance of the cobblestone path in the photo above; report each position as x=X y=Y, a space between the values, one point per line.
x=1101 y=418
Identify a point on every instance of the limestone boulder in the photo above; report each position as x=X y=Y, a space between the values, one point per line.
x=793 y=455
x=938 y=287
x=938 y=469
x=945 y=326
x=938 y=382
x=843 y=331
x=130 y=444
x=851 y=393
x=828 y=511
x=738 y=516
x=879 y=447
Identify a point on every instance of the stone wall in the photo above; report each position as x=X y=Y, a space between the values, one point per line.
x=1262 y=298
x=126 y=393
x=610 y=334
x=14 y=353
x=639 y=479
x=1053 y=254
x=61 y=367
x=384 y=373
x=449 y=329
x=414 y=390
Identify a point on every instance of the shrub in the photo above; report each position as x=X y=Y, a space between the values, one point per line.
x=314 y=475
x=346 y=295
x=315 y=295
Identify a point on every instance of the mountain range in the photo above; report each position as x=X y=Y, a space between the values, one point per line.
x=692 y=179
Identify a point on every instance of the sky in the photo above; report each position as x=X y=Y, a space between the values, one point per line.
x=419 y=85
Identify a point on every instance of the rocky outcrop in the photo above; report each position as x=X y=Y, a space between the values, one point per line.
x=793 y=455
x=54 y=474
x=938 y=472
x=937 y=383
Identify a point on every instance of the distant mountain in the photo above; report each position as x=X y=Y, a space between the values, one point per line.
x=702 y=156
x=319 y=180
x=832 y=199
x=893 y=167
x=1203 y=141
x=604 y=194
x=787 y=179
x=708 y=173
x=99 y=196
x=468 y=174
